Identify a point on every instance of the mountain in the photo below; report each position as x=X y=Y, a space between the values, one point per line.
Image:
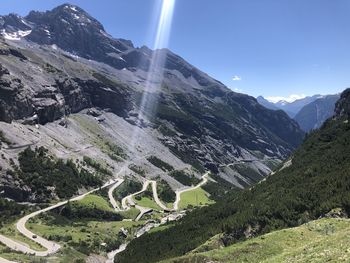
x=309 y=113
x=62 y=62
x=267 y=104
x=291 y=108
x=314 y=114
x=312 y=184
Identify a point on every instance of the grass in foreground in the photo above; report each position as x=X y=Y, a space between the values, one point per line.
x=324 y=240
x=193 y=198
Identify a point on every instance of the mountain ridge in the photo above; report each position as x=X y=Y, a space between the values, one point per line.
x=291 y=108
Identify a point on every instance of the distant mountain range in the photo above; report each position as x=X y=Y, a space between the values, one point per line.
x=310 y=112
x=314 y=114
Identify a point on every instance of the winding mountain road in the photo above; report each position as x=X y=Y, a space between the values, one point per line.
x=51 y=247
x=205 y=179
x=127 y=202
x=111 y=197
x=170 y=217
x=156 y=198
x=128 y=199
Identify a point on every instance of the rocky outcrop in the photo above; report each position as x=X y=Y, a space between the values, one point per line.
x=13 y=102
x=51 y=102
x=14 y=189
x=342 y=108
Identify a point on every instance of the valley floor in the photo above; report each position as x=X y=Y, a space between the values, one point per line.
x=82 y=231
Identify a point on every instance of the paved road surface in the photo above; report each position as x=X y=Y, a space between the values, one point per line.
x=205 y=178
x=156 y=198
x=128 y=201
x=2 y=260
x=111 y=197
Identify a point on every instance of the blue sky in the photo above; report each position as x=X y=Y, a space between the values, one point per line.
x=271 y=47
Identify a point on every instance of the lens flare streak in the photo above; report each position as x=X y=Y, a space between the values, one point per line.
x=156 y=67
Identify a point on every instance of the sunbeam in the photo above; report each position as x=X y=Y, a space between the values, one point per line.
x=156 y=68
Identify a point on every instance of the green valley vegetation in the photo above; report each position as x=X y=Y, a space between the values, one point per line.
x=317 y=181
x=219 y=188
x=145 y=199
x=127 y=187
x=137 y=169
x=165 y=193
x=97 y=166
x=10 y=210
x=86 y=236
x=194 y=198
x=184 y=177
x=91 y=207
x=160 y=164
x=42 y=173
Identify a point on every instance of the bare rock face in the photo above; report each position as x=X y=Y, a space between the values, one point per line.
x=14 y=189
x=46 y=103
x=13 y=102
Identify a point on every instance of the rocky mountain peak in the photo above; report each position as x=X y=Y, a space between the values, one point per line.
x=70 y=28
x=65 y=16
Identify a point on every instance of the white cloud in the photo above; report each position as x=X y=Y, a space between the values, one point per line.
x=236 y=78
x=290 y=98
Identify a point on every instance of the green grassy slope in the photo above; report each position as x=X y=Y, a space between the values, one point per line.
x=324 y=240
x=193 y=198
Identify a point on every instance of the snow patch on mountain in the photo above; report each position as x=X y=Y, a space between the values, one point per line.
x=18 y=35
